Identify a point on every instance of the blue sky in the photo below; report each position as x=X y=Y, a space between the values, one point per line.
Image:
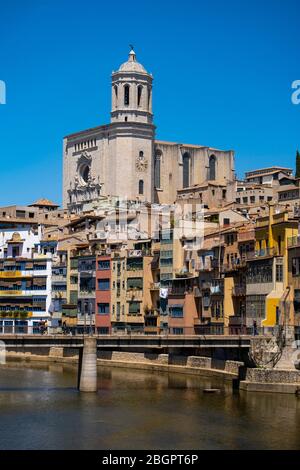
x=223 y=72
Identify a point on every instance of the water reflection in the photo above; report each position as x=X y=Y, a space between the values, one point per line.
x=41 y=408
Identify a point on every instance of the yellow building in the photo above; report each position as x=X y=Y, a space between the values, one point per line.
x=267 y=272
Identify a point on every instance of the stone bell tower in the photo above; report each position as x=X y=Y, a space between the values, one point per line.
x=132 y=131
x=132 y=93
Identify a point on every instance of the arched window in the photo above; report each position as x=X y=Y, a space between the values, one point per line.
x=126 y=95
x=157 y=165
x=116 y=95
x=139 y=95
x=186 y=170
x=85 y=173
x=212 y=167
x=141 y=187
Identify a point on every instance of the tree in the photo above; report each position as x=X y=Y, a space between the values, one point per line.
x=298 y=164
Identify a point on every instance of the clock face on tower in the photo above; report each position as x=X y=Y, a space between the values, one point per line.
x=141 y=163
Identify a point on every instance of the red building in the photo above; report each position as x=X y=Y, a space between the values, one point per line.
x=103 y=294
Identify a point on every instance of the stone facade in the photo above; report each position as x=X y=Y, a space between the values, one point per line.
x=123 y=158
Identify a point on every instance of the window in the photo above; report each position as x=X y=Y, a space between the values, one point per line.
x=259 y=272
x=103 y=309
x=103 y=284
x=157 y=164
x=126 y=95
x=103 y=265
x=223 y=193
x=297 y=300
x=87 y=284
x=134 y=308
x=279 y=273
x=186 y=170
x=135 y=283
x=104 y=330
x=295 y=267
x=252 y=199
x=177 y=331
x=141 y=187
x=212 y=167
x=139 y=95
x=176 y=312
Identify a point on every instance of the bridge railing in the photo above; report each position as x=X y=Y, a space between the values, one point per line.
x=206 y=330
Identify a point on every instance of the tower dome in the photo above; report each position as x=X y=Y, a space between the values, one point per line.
x=132 y=65
x=132 y=92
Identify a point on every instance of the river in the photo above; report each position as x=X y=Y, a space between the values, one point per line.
x=40 y=408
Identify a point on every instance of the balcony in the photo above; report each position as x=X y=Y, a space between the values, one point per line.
x=134 y=294
x=155 y=286
x=264 y=253
x=205 y=285
x=58 y=278
x=151 y=330
x=15 y=274
x=183 y=274
x=236 y=320
x=239 y=291
x=22 y=314
x=86 y=294
x=293 y=241
x=153 y=313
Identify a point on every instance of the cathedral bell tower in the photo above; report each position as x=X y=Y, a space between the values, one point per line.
x=132 y=93
x=131 y=132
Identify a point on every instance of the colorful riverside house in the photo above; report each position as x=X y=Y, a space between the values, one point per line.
x=86 y=289
x=25 y=293
x=267 y=293
x=293 y=319
x=25 y=277
x=103 y=294
x=59 y=288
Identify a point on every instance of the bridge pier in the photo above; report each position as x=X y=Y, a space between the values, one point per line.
x=87 y=366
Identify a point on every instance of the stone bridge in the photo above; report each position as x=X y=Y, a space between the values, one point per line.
x=237 y=345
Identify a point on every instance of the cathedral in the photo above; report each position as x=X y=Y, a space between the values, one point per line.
x=123 y=159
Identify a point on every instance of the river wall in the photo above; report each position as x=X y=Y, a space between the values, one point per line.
x=246 y=379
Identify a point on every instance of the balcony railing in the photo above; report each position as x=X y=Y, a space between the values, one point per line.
x=238 y=291
x=293 y=241
x=265 y=253
x=155 y=286
x=183 y=274
x=133 y=294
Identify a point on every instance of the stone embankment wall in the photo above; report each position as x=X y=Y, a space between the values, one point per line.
x=161 y=362
x=172 y=362
x=271 y=380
